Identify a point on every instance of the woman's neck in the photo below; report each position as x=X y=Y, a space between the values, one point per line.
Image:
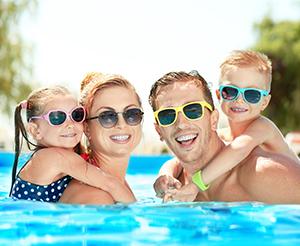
x=116 y=166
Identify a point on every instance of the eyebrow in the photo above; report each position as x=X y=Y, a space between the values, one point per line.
x=110 y=108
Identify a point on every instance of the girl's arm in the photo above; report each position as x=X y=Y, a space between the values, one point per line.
x=72 y=164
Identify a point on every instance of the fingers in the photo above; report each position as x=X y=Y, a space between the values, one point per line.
x=167 y=198
x=164 y=183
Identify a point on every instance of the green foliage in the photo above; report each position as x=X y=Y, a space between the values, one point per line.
x=13 y=66
x=281 y=43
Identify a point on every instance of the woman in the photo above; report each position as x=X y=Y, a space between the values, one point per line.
x=113 y=130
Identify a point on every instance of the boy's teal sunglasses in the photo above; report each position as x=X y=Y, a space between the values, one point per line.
x=250 y=95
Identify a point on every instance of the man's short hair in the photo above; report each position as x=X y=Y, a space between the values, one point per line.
x=183 y=77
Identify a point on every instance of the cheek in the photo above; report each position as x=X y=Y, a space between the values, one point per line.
x=224 y=106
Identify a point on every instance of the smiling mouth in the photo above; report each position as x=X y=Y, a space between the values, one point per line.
x=186 y=140
x=120 y=138
x=238 y=110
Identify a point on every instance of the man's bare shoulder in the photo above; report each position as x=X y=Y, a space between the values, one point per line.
x=80 y=193
x=270 y=177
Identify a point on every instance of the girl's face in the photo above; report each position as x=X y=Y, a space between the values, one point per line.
x=120 y=139
x=66 y=135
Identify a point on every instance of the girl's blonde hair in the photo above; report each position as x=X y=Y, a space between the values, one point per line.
x=34 y=105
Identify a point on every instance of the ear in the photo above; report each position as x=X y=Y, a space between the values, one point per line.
x=34 y=131
x=214 y=120
x=265 y=102
x=218 y=94
x=157 y=128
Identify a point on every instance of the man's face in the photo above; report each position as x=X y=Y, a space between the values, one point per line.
x=187 y=139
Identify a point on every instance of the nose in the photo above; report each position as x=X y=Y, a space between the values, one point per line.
x=240 y=98
x=181 y=121
x=120 y=122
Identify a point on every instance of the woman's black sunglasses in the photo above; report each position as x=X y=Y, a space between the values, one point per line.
x=109 y=118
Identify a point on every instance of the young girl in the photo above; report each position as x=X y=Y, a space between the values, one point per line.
x=55 y=123
x=245 y=84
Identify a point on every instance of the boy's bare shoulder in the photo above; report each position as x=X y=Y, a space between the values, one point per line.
x=263 y=122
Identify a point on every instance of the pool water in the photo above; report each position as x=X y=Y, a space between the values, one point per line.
x=147 y=222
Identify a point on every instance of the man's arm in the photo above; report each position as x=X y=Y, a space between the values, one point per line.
x=167 y=177
x=271 y=179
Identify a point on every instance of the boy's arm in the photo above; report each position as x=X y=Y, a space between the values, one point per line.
x=260 y=131
x=74 y=165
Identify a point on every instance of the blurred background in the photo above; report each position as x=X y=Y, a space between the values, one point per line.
x=59 y=41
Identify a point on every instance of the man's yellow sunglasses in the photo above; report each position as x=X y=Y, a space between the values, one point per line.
x=191 y=111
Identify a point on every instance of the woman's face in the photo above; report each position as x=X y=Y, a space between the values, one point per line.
x=120 y=139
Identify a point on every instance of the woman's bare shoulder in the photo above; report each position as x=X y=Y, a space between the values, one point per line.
x=80 y=193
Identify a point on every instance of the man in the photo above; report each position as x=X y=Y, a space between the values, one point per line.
x=262 y=176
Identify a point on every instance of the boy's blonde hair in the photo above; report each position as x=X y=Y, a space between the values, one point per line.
x=247 y=58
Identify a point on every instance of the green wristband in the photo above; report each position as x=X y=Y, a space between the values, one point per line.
x=197 y=180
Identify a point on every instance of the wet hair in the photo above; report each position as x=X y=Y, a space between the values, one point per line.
x=247 y=58
x=34 y=106
x=94 y=82
x=182 y=77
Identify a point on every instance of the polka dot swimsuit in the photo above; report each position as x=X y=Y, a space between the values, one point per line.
x=44 y=193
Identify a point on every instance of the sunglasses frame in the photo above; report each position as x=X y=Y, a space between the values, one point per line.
x=177 y=109
x=123 y=115
x=68 y=114
x=242 y=91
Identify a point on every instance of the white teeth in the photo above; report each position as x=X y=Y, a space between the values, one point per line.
x=120 y=137
x=186 y=137
x=235 y=109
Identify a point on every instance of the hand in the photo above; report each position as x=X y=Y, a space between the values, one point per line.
x=164 y=183
x=187 y=193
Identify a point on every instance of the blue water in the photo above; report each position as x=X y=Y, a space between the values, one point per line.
x=147 y=222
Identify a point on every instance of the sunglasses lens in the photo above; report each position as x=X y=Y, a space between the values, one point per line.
x=57 y=117
x=252 y=96
x=167 y=116
x=133 y=116
x=108 y=118
x=229 y=93
x=78 y=114
x=193 y=111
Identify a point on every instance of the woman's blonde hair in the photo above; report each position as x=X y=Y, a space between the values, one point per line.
x=94 y=82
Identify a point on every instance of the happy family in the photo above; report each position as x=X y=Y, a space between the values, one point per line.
x=248 y=161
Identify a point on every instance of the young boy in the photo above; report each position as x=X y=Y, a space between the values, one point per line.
x=244 y=92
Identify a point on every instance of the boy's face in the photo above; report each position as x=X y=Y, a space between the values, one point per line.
x=187 y=139
x=239 y=110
